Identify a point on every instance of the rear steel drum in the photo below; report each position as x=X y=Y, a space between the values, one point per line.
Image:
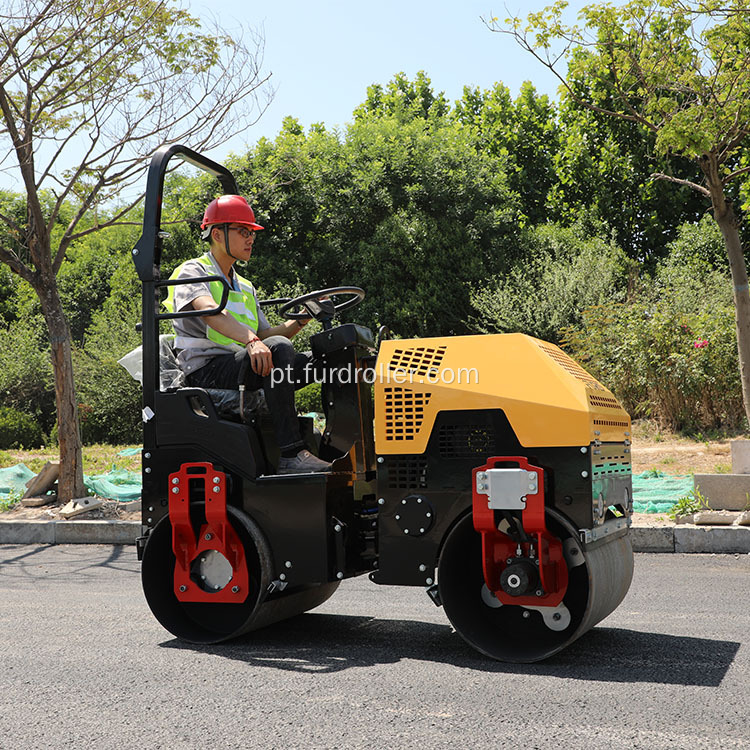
x=214 y=622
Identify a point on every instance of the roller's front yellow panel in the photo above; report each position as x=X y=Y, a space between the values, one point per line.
x=548 y=398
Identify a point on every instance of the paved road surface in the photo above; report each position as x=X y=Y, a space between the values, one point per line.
x=84 y=665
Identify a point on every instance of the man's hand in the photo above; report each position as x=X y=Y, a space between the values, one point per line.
x=260 y=357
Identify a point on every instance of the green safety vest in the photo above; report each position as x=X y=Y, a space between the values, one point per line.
x=241 y=305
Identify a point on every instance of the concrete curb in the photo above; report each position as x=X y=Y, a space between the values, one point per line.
x=652 y=538
x=682 y=538
x=725 y=540
x=69 y=532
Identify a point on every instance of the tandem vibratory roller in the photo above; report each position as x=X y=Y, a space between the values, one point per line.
x=493 y=471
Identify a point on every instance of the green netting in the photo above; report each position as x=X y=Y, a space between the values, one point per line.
x=116 y=484
x=13 y=480
x=653 y=491
x=656 y=492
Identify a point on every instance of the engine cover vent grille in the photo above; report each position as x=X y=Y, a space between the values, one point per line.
x=407 y=473
x=604 y=402
x=404 y=412
x=571 y=366
x=465 y=441
x=419 y=361
x=610 y=423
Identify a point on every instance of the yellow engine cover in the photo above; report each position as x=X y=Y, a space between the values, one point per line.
x=548 y=398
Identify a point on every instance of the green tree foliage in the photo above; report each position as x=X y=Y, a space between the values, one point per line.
x=670 y=352
x=85 y=281
x=404 y=100
x=403 y=203
x=680 y=70
x=566 y=270
x=524 y=135
x=605 y=166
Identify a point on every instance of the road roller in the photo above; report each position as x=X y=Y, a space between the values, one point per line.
x=492 y=471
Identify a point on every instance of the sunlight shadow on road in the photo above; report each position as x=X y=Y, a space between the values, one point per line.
x=324 y=643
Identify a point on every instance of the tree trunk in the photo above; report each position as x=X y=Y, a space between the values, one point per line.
x=70 y=483
x=729 y=226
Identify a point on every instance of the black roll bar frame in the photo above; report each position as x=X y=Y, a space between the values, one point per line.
x=147 y=258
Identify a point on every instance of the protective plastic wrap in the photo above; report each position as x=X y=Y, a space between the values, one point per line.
x=170 y=374
x=227 y=402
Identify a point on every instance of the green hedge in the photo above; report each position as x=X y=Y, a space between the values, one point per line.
x=19 y=430
x=662 y=361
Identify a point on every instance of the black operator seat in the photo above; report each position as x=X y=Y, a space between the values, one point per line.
x=225 y=401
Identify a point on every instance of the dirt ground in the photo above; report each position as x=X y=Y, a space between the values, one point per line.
x=109 y=510
x=678 y=457
x=652 y=449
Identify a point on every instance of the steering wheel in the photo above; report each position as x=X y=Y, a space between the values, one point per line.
x=323 y=310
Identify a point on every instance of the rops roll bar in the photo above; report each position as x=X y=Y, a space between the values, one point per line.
x=147 y=259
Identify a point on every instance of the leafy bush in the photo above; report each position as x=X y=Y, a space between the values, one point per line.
x=308 y=399
x=671 y=354
x=19 y=430
x=109 y=400
x=566 y=270
x=26 y=381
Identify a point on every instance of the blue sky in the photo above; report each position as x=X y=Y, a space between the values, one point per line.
x=324 y=54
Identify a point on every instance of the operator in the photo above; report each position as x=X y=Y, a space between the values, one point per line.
x=212 y=348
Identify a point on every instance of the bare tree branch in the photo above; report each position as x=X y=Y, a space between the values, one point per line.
x=11 y=259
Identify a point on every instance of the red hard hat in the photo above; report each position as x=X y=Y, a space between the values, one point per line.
x=229 y=209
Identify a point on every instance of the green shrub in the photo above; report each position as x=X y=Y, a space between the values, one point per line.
x=19 y=430
x=308 y=399
x=26 y=381
x=670 y=355
x=566 y=270
x=109 y=400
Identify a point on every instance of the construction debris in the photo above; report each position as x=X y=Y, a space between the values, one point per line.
x=38 y=486
x=80 y=505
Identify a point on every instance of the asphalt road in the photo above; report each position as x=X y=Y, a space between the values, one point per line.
x=83 y=664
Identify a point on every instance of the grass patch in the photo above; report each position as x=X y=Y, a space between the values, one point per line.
x=722 y=469
x=6 y=503
x=692 y=503
x=97 y=459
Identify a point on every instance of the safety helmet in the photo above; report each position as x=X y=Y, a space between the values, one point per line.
x=228 y=209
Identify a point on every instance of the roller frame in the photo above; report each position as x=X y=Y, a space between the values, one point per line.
x=500 y=551
x=216 y=535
